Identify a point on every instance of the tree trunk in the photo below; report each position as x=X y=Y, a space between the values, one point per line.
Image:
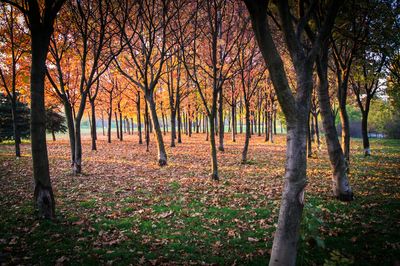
x=309 y=143
x=344 y=119
x=53 y=135
x=17 y=139
x=116 y=123
x=364 y=131
x=102 y=122
x=43 y=195
x=121 y=133
x=340 y=183
x=94 y=133
x=221 y=120
x=317 y=131
x=284 y=247
x=179 y=123
x=147 y=126
x=77 y=167
x=162 y=155
x=173 y=128
x=109 y=125
x=71 y=128
x=233 y=120
x=139 y=122
x=266 y=126
x=247 y=133
x=214 y=162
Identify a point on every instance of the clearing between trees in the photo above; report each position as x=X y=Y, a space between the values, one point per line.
x=126 y=209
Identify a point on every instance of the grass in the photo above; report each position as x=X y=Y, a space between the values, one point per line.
x=130 y=211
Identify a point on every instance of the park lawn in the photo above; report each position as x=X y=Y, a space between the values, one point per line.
x=124 y=209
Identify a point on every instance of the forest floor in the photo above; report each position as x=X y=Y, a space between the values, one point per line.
x=124 y=209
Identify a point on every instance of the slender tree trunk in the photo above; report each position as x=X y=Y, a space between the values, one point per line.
x=71 y=128
x=274 y=122
x=233 y=120
x=94 y=132
x=102 y=122
x=163 y=122
x=241 y=117
x=17 y=139
x=214 y=162
x=43 y=195
x=139 y=122
x=340 y=183
x=121 y=133
x=179 y=123
x=109 y=125
x=147 y=126
x=266 y=125
x=221 y=120
x=116 y=123
x=344 y=119
x=173 y=127
x=317 y=131
x=364 y=131
x=162 y=155
x=248 y=133
x=77 y=167
x=309 y=143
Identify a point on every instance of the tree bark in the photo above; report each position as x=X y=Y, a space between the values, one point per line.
x=139 y=122
x=17 y=138
x=340 y=183
x=162 y=155
x=93 y=131
x=364 y=131
x=71 y=128
x=43 y=195
x=247 y=133
x=116 y=123
x=221 y=120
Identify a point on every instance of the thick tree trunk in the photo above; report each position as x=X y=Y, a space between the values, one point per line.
x=17 y=138
x=94 y=132
x=43 y=195
x=340 y=183
x=364 y=131
x=284 y=247
x=247 y=134
x=162 y=155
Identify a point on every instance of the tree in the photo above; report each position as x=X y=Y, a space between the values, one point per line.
x=55 y=121
x=145 y=31
x=40 y=18
x=8 y=120
x=295 y=107
x=13 y=41
x=214 y=62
